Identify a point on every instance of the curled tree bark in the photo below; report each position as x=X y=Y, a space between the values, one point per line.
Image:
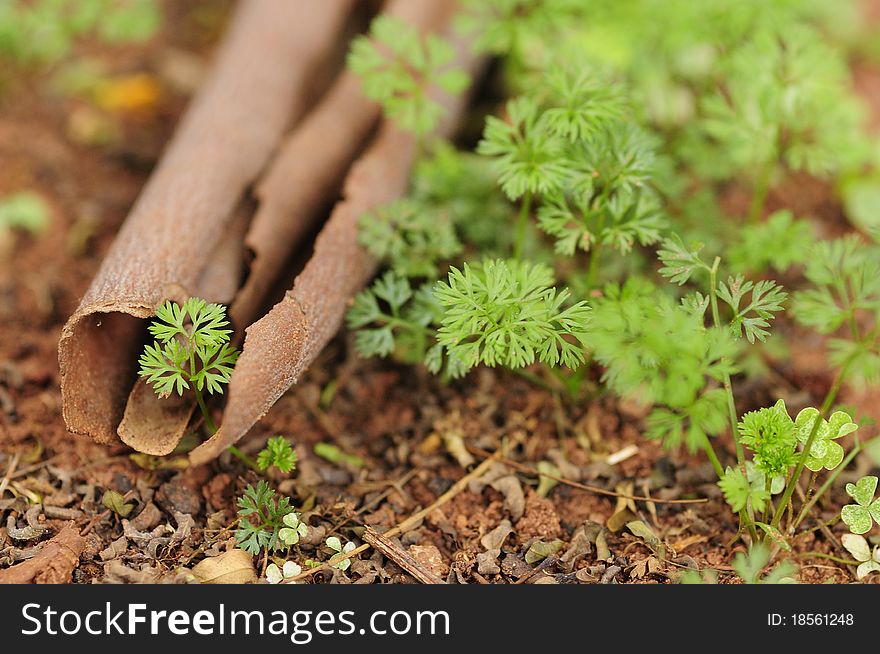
x=192 y=232
x=281 y=345
x=163 y=251
x=303 y=177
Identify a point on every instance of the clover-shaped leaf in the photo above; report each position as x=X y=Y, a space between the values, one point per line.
x=824 y=452
x=757 y=479
x=336 y=545
x=857 y=546
x=275 y=575
x=294 y=529
x=860 y=517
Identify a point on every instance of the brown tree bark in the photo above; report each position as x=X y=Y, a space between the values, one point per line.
x=281 y=345
x=258 y=85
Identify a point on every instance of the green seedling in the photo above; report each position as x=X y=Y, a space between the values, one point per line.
x=288 y=570
x=508 y=313
x=191 y=352
x=868 y=559
x=294 y=529
x=261 y=519
x=43 y=31
x=278 y=453
x=116 y=503
x=22 y=212
x=862 y=515
x=399 y=67
x=341 y=550
x=749 y=568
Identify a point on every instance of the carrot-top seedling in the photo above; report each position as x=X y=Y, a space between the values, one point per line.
x=263 y=517
x=278 y=453
x=43 y=31
x=191 y=352
x=399 y=67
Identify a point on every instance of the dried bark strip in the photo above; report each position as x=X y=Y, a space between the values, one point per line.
x=53 y=564
x=310 y=168
x=308 y=171
x=279 y=346
x=257 y=87
x=401 y=557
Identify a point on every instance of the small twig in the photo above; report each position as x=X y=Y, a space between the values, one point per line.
x=98 y=518
x=401 y=557
x=10 y=470
x=21 y=472
x=575 y=484
x=454 y=490
x=543 y=565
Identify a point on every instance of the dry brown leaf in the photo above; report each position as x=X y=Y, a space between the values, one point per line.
x=232 y=567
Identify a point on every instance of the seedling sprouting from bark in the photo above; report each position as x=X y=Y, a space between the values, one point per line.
x=191 y=352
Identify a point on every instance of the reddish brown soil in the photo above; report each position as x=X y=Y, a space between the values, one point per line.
x=394 y=418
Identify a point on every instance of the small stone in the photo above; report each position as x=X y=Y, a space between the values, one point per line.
x=429 y=556
x=174 y=495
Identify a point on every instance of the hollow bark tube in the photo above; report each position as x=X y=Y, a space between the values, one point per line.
x=310 y=168
x=257 y=87
x=279 y=346
x=302 y=179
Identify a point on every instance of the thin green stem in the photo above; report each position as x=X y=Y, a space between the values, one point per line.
x=593 y=270
x=534 y=379
x=744 y=515
x=204 y=409
x=728 y=385
x=244 y=458
x=522 y=225
x=825 y=486
x=759 y=194
x=713 y=458
x=822 y=555
x=802 y=459
x=596 y=253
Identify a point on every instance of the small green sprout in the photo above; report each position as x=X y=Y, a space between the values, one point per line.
x=860 y=517
x=289 y=570
x=43 y=31
x=116 y=503
x=750 y=567
x=392 y=317
x=334 y=454
x=792 y=240
x=279 y=453
x=336 y=545
x=191 y=351
x=869 y=561
x=506 y=312
x=294 y=529
x=752 y=320
x=26 y=211
x=740 y=492
x=657 y=352
x=261 y=518
x=770 y=435
x=527 y=156
x=413 y=239
x=824 y=451
x=399 y=67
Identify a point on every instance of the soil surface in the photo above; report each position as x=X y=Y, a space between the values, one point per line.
x=416 y=437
